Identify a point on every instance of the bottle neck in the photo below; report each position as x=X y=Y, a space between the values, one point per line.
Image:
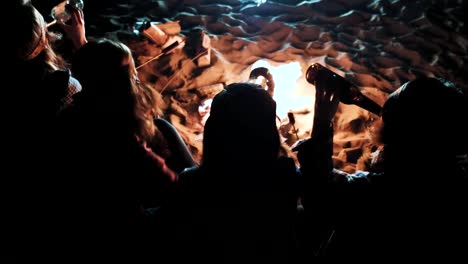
x=352 y=95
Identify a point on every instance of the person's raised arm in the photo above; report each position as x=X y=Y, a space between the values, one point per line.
x=75 y=31
x=315 y=153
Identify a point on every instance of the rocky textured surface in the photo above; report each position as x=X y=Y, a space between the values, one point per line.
x=377 y=45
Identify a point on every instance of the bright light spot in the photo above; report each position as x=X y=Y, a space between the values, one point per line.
x=204 y=110
x=292 y=92
x=259 y=2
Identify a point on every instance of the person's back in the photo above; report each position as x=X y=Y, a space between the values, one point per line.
x=45 y=85
x=242 y=198
x=39 y=89
x=42 y=87
x=414 y=206
x=111 y=177
x=424 y=136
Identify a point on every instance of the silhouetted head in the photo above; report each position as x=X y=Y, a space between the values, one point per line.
x=30 y=38
x=106 y=70
x=425 y=120
x=103 y=61
x=28 y=42
x=241 y=129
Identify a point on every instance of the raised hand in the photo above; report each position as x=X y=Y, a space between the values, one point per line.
x=75 y=31
x=327 y=97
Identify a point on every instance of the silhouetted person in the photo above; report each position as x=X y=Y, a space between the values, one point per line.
x=415 y=206
x=46 y=82
x=42 y=83
x=241 y=200
x=37 y=87
x=110 y=178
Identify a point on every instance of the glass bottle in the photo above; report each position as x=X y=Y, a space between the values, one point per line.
x=349 y=93
x=61 y=13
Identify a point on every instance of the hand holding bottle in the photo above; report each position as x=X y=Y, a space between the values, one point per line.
x=61 y=13
x=348 y=93
x=75 y=30
x=327 y=97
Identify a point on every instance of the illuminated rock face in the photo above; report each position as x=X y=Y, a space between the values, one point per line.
x=377 y=45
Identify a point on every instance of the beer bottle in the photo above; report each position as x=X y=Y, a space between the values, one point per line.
x=348 y=93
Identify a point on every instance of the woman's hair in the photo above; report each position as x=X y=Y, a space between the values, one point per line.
x=30 y=44
x=423 y=121
x=106 y=70
x=425 y=106
x=241 y=128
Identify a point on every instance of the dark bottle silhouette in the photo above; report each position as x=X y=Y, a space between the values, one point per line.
x=348 y=93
